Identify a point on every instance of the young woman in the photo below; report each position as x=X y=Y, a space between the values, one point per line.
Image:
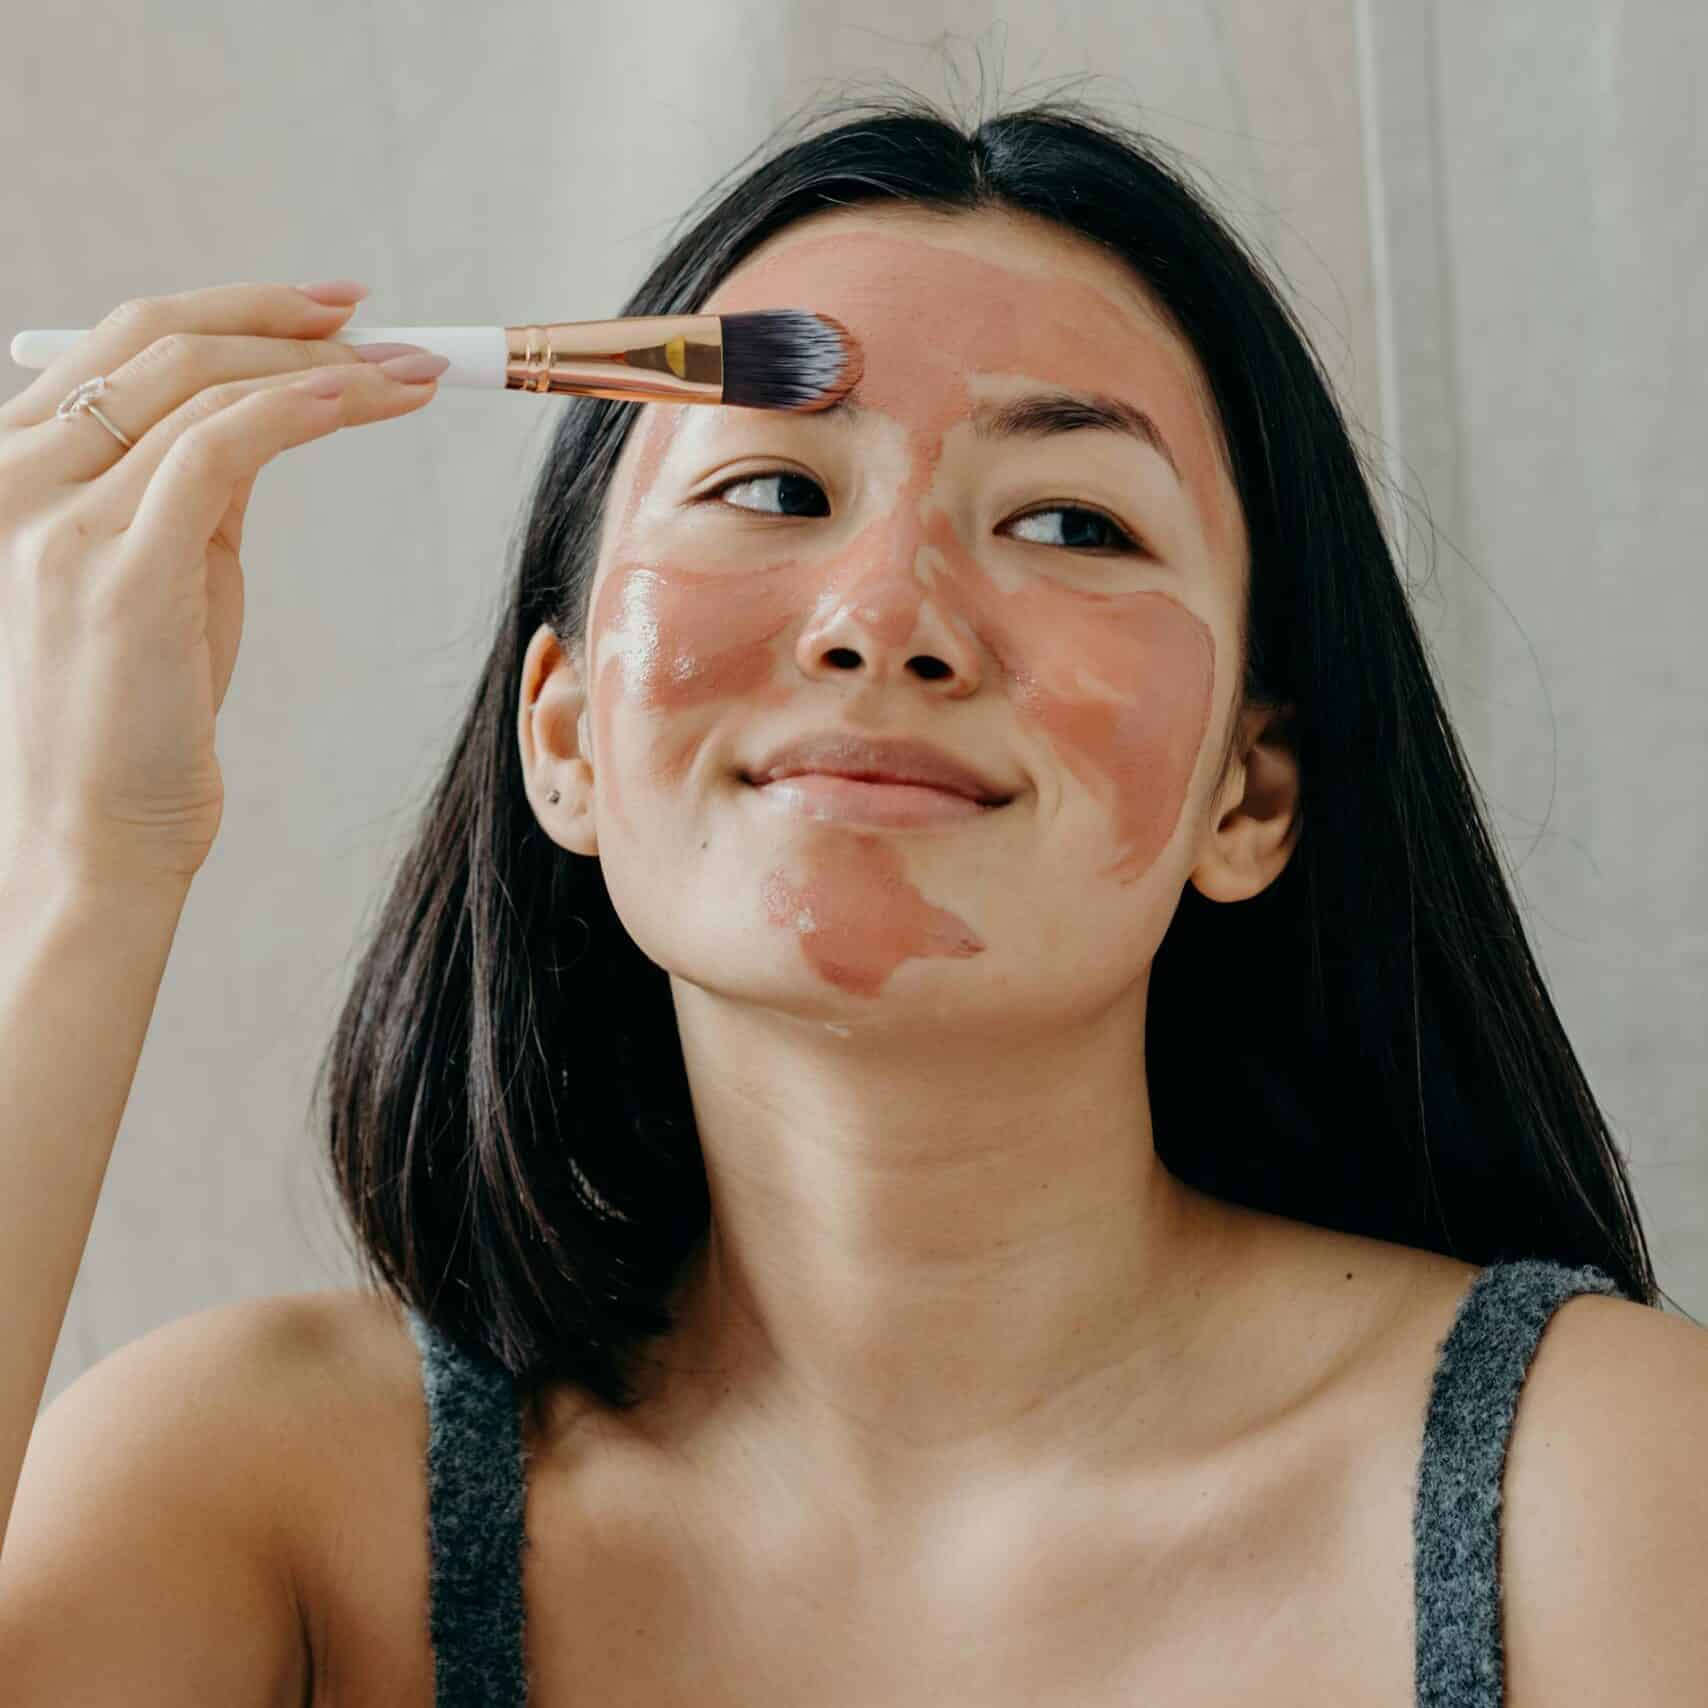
x=1075 y=1232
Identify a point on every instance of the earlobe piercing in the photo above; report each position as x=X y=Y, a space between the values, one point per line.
x=553 y=797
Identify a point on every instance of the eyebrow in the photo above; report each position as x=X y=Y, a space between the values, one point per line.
x=1041 y=415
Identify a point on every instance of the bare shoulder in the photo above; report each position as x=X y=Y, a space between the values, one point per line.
x=1385 y=1305
x=1604 y=1572
x=223 y=1384
x=293 y=1388
x=339 y=1377
x=280 y=1374
x=153 y=1547
x=353 y=1344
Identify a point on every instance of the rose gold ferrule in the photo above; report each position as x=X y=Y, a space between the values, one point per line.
x=652 y=358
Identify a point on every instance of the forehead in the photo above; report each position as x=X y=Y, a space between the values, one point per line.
x=869 y=252
x=953 y=311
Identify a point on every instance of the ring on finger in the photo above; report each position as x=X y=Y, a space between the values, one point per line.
x=83 y=399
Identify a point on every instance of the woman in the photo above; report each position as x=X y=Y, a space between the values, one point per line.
x=824 y=1165
x=1000 y=1258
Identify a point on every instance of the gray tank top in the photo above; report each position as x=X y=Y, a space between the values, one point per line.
x=476 y=1489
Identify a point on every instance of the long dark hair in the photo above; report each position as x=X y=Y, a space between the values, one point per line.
x=510 y=1128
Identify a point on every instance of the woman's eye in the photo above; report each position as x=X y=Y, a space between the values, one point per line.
x=786 y=478
x=1123 y=541
x=798 y=484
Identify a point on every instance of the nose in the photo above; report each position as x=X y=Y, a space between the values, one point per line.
x=886 y=630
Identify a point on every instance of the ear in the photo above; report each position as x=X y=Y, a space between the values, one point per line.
x=1255 y=820
x=553 y=733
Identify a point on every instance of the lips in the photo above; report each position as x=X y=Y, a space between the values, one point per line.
x=840 y=753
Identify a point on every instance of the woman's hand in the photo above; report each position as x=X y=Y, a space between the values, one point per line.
x=121 y=593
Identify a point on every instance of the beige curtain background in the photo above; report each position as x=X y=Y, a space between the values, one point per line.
x=1490 y=216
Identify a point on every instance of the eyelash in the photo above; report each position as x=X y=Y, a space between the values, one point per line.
x=1124 y=545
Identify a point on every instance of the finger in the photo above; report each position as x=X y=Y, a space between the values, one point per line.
x=114 y=503
x=276 y=311
x=183 y=476
x=162 y=378
x=192 y=489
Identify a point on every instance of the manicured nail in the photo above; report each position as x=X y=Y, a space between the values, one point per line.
x=385 y=352
x=335 y=293
x=418 y=369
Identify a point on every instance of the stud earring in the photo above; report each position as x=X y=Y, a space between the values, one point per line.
x=554 y=797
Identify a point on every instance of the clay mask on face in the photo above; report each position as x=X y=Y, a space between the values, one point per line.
x=703 y=613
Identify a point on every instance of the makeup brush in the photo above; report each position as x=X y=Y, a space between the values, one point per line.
x=775 y=358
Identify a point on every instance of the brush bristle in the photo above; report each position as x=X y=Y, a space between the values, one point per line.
x=787 y=358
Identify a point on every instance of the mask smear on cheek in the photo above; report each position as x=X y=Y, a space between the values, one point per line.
x=1126 y=706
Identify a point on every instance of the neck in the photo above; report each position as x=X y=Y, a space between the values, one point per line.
x=969 y=1284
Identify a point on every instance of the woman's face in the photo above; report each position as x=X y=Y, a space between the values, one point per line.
x=934 y=580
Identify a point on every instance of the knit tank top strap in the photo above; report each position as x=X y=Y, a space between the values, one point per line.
x=476 y=1485
x=1456 y=1521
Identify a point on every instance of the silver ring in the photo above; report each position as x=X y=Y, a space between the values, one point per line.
x=82 y=401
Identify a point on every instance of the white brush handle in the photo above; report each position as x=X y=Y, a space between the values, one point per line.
x=479 y=355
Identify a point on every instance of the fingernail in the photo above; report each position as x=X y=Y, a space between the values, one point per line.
x=416 y=369
x=384 y=352
x=335 y=293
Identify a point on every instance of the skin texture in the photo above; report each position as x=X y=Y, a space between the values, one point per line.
x=944 y=1259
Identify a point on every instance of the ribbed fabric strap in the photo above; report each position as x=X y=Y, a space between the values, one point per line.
x=1456 y=1522
x=476 y=1484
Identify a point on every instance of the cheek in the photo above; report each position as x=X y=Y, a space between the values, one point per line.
x=678 y=648
x=1123 y=691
